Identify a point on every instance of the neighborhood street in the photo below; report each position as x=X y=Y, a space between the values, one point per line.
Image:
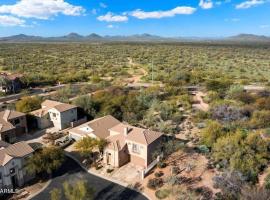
x=104 y=189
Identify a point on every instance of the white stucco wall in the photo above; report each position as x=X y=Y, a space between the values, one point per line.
x=62 y=120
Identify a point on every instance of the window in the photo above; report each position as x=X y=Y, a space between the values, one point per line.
x=0 y=176
x=135 y=148
x=53 y=114
x=16 y=121
x=12 y=171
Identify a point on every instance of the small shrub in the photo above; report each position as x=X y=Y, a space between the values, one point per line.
x=161 y=165
x=109 y=170
x=155 y=183
x=159 y=174
x=267 y=182
x=175 y=170
x=162 y=194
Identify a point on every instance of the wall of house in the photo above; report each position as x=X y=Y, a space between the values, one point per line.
x=20 y=123
x=140 y=157
x=20 y=173
x=62 y=120
x=114 y=157
x=67 y=117
x=55 y=118
x=152 y=149
x=44 y=122
x=9 y=136
x=123 y=156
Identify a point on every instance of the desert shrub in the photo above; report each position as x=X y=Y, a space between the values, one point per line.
x=205 y=192
x=159 y=174
x=227 y=113
x=162 y=194
x=260 y=119
x=109 y=171
x=175 y=170
x=203 y=149
x=161 y=164
x=267 y=182
x=211 y=133
x=155 y=183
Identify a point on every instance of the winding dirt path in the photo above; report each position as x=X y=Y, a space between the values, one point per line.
x=201 y=105
x=136 y=78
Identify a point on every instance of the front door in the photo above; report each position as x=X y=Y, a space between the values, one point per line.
x=14 y=181
x=109 y=157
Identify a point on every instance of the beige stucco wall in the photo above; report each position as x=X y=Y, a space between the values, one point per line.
x=62 y=120
x=137 y=158
x=44 y=122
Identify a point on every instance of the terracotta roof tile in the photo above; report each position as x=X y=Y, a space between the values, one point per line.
x=16 y=150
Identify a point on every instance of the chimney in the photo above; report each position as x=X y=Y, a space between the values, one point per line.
x=126 y=131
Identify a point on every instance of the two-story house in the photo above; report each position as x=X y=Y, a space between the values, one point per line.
x=13 y=160
x=12 y=125
x=10 y=83
x=56 y=114
x=126 y=143
x=131 y=144
x=97 y=128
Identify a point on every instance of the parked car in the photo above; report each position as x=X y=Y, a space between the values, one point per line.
x=63 y=142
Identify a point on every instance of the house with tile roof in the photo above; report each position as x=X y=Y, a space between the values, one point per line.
x=10 y=83
x=12 y=125
x=131 y=144
x=13 y=159
x=55 y=114
x=126 y=143
x=97 y=128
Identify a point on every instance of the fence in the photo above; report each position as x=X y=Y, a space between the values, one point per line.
x=150 y=167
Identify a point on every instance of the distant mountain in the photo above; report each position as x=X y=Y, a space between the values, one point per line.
x=21 y=37
x=94 y=36
x=250 y=38
x=75 y=37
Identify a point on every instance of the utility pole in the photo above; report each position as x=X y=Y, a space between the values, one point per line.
x=152 y=71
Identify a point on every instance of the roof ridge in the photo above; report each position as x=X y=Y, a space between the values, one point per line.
x=144 y=132
x=6 y=115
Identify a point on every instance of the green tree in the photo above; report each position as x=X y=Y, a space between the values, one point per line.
x=28 y=104
x=211 y=133
x=47 y=160
x=88 y=105
x=78 y=191
x=243 y=152
x=86 y=146
x=55 y=194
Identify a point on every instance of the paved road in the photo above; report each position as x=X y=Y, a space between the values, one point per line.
x=105 y=190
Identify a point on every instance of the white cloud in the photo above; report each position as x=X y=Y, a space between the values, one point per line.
x=41 y=9
x=110 y=17
x=6 y=20
x=181 y=10
x=249 y=4
x=206 y=4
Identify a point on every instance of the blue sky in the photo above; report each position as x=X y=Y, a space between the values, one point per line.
x=201 y=18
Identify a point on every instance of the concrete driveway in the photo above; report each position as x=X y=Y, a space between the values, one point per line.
x=105 y=190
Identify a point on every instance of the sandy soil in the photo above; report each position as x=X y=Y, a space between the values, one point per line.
x=201 y=105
